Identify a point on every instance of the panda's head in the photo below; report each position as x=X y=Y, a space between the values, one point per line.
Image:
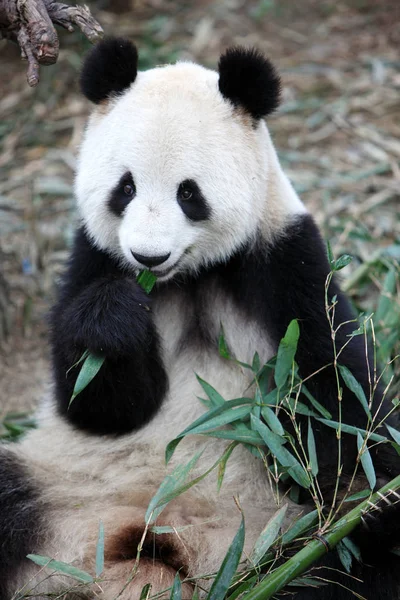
x=173 y=169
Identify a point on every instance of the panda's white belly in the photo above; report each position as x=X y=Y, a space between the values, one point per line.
x=87 y=478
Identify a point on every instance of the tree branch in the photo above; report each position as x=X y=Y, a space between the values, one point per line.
x=30 y=23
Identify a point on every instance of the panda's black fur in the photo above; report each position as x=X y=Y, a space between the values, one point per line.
x=101 y=308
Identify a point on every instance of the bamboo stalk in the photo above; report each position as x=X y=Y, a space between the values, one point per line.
x=301 y=561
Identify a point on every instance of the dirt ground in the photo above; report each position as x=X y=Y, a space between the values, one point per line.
x=337 y=132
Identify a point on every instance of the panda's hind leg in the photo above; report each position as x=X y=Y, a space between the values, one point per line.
x=21 y=522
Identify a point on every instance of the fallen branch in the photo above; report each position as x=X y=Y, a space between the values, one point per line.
x=30 y=23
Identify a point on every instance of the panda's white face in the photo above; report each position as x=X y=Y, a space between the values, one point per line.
x=170 y=173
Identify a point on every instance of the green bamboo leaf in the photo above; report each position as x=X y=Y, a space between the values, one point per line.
x=272 y=420
x=300 y=526
x=246 y=586
x=341 y=262
x=353 y=385
x=353 y=548
x=394 y=433
x=286 y=353
x=268 y=535
x=256 y=365
x=215 y=398
x=170 y=449
x=195 y=594
x=318 y=407
x=345 y=556
x=249 y=437
x=331 y=258
x=78 y=362
x=228 y=567
x=312 y=451
x=145 y=593
x=358 y=496
x=225 y=418
x=300 y=408
x=89 y=370
x=385 y=300
x=353 y=430
x=222 y=464
x=100 y=551
x=222 y=345
x=366 y=462
x=169 y=487
x=61 y=567
x=146 y=280
x=275 y=445
x=176 y=592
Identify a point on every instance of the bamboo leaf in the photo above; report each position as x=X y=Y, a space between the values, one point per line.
x=318 y=407
x=222 y=464
x=89 y=370
x=100 y=551
x=275 y=445
x=344 y=555
x=353 y=385
x=286 y=353
x=215 y=398
x=358 y=496
x=176 y=592
x=341 y=262
x=353 y=548
x=312 y=451
x=353 y=430
x=225 y=418
x=268 y=535
x=243 y=587
x=300 y=526
x=146 y=280
x=169 y=488
x=223 y=346
x=255 y=367
x=250 y=437
x=394 y=433
x=228 y=567
x=366 y=462
x=385 y=300
x=170 y=449
x=272 y=420
x=145 y=593
x=61 y=567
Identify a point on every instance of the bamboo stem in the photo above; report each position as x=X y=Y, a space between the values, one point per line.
x=301 y=561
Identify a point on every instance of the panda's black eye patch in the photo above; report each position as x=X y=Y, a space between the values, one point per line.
x=122 y=194
x=192 y=201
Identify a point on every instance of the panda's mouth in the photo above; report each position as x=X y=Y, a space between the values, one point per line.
x=163 y=273
x=166 y=273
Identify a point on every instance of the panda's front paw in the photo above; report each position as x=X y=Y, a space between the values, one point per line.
x=111 y=316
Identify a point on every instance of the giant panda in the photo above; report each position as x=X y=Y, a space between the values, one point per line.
x=177 y=174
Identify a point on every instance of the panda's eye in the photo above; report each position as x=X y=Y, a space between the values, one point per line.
x=129 y=189
x=122 y=194
x=197 y=209
x=186 y=194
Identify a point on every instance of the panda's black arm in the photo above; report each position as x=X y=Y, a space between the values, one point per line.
x=102 y=309
x=286 y=280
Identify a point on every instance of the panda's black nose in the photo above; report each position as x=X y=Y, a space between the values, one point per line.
x=150 y=261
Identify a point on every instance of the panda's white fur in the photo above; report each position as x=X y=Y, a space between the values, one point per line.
x=171 y=124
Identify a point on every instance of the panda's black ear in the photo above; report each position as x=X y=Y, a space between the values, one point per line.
x=249 y=80
x=108 y=69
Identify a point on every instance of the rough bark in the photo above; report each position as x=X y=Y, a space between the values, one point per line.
x=30 y=23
